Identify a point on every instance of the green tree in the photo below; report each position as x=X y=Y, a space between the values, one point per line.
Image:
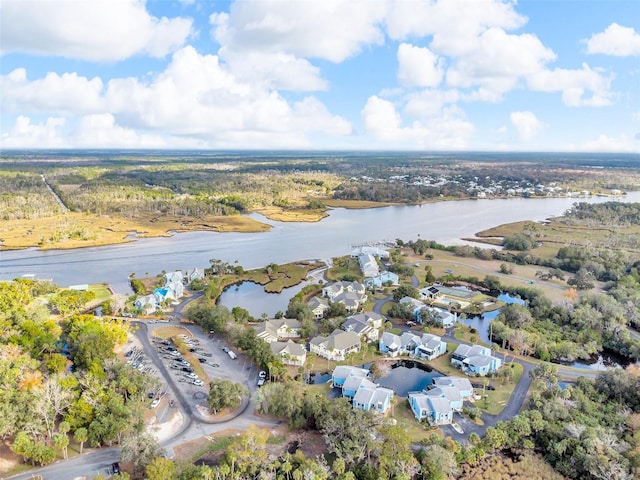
x=80 y=436
x=224 y=394
x=61 y=441
x=140 y=449
x=161 y=469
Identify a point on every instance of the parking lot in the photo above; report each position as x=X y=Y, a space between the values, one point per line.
x=185 y=377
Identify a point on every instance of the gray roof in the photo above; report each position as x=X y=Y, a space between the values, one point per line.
x=291 y=348
x=354 y=383
x=457 y=382
x=316 y=302
x=391 y=339
x=372 y=395
x=450 y=393
x=338 y=340
x=479 y=360
x=344 y=371
x=440 y=405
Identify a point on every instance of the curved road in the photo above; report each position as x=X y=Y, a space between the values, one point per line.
x=195 y=426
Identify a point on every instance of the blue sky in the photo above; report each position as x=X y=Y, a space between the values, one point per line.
x=434 y=75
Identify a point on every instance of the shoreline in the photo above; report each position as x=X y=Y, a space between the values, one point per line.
x=107 y=231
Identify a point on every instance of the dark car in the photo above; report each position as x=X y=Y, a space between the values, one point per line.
x=202 y=360
x=187 y=369
x=115 y=467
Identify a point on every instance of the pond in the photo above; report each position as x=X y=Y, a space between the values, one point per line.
x=408 y=376
x=603 y=361
x=252 y=297
x=481 y=323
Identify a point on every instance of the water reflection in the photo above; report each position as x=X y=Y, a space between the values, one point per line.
x=252 y=297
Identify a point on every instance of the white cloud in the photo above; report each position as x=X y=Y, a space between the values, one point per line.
x=454 y=24
x=448 y=131
x=499 y=60
x=430 y=102
x=605 y=143
x=101 y=131
x=329 y=29
x=615 y=40
x=274 y=70
x=25 y=134
x=194 y=97
x=96 y=30
x=527 y=125
x=574 y=85
x=418 y=66
x=59 y=94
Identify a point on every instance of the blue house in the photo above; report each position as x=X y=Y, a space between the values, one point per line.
x=431 y=346
x=390 y=344
x=462 y=384
x=435 y=410
x=383 y=278
x=342 y=372
x=373 y=398
x=353 y=384
x=475 y=360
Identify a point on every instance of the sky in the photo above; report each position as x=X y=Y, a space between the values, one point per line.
x=426 y=75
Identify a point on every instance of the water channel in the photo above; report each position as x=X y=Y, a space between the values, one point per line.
x=445 y=222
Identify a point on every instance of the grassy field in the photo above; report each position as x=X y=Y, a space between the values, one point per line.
x=284 y=276
x=102 y=291
x=76 y=230
x=297 y=215
x=344 y=266
x=475 y=267
x=416 y=431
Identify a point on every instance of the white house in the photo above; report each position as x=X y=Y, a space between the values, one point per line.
x=146 y=303
x=173 y=277
x=366 y=325
x=373 y=251
x=368 y=265
x=382 y=279
x=319 y=307
x=278 y=328
x=193 y=274
x=336 y=346
x=431 y=346
x=290 y=353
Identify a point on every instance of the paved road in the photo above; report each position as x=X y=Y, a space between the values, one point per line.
x=195 y=426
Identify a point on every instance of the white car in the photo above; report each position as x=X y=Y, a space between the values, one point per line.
x=191 y=375
x=197 y=383
x=155 y=403
x=262 y=374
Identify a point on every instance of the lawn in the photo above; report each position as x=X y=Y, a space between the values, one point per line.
x=102 y=291
x=344 y=266
x=415 y=430
x=464 y=334
x=497 y=399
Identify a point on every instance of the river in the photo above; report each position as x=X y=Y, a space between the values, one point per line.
x=445 y=222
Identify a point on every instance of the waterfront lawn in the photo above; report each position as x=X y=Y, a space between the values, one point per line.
x=344 y=267
x=464 y=334
x=284 y=276
x=101 y=291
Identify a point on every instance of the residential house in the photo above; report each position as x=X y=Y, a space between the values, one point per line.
x=381 y=279
x=146 y=303
x=394 y=345
x=374 y=398
x=352 y=384
x=436 y=411
x=164 y=294
x=431 y=346
x=319 y=307
x=342 y=372
x=440 y=316
x=193 y=274
x=366 y=325
x=290 y=353
x=334 y=290
x=278 y=328
x=390 y=344
x=336 y=346
x=414 y=304
x=431 y=293
x=373 y=251
x=462 y=384
x=355 y=384
x=368 y=265
x=438 y=403
x=173 y=277
x=475 y=360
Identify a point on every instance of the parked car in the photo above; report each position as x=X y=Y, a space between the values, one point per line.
x=202 y=360
x=187 y=369
x=197 y=383
x=225 y=349
x=155 y=403
x=115 y=468
x=232 y=355
x=191 y=375
x=260 y=382
x=262 y=374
